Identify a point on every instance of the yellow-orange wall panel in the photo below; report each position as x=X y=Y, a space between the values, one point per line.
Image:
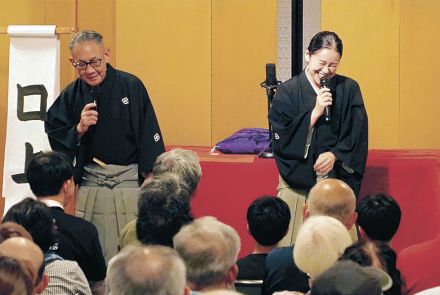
x=244 y=39
x=99 y=15
x=419 y=74
x=167 y=44
x=370 y=33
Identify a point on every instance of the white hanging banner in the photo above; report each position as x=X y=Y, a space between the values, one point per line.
x=33 y=85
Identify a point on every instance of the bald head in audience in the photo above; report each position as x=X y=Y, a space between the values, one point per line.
x=30 y=255
x=153 y=270
x=334 y=198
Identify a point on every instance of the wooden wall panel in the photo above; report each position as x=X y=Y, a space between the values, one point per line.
x=419 y=75
x=244 y=39
x=167 y=44
x=370 y=33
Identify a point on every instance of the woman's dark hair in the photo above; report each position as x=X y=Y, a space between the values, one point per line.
x=325 y=39
x=364 y=252
x=36 y=218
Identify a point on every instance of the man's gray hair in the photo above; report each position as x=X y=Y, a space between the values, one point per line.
x=209 y=249
x=84 y=36
x=166 y=184
x=184 y=163
x=153 y=270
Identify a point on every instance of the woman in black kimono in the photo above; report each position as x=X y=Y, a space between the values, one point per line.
x=309 y=147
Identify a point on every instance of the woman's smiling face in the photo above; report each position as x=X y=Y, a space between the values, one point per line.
x=323 y=62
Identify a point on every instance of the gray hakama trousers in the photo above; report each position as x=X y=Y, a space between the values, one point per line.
x=108 y=198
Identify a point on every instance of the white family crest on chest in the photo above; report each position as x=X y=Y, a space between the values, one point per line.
x=125 y=100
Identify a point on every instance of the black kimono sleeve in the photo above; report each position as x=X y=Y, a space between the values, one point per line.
x=148 y=136
x=290 y=117
x=60 y=124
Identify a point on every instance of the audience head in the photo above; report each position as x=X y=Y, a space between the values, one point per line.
x=12 y=229
x=184 y=163
x=209 y=249
x=153 y=270
x=349 y=278
x=50 y=174
x=36 y=218
x=30 y=256
x=377 y=254
x=268 y=220
x=320 y=242
x=161 y=210
x=378 y=217
x=334 y=198
x=14 y=279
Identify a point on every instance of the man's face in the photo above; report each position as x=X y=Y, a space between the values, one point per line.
x=91 y=61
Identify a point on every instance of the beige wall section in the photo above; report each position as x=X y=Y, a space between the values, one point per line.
x=167 y=44
x=419 y=74
x=370 y=33
x=243 y=41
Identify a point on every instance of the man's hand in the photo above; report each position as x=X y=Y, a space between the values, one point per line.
x=324 y=163
x=89 y=117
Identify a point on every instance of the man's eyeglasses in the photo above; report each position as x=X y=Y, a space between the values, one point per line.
x=82 y=65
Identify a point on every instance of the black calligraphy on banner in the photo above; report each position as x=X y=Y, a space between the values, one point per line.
x=27 y=91
x=22 y=93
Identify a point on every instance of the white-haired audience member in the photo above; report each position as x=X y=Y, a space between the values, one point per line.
x=209 y=249
x=152 y=270
x=320 y=242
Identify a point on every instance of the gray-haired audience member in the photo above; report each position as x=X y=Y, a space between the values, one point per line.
x=209 y=249
x=152 y=270
x=320 y=242
x=162 y=209
x=183 y=163
x=378 y=217
x=329 y=197
x=180 y=162
x=268 y=221
x=349 y=278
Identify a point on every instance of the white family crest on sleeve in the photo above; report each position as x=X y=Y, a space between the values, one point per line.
x=125 y=100
x=277 y=136
x=156 y=137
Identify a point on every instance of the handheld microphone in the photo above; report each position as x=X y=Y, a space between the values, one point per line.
x=325 y=82
x=93 y=97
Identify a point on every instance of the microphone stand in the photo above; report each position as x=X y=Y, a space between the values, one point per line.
x=267 y=153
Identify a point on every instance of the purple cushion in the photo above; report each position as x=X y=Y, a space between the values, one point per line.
x=245 y=141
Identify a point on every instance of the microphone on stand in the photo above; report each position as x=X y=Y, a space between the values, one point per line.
x=270 y=84
x=325 y=82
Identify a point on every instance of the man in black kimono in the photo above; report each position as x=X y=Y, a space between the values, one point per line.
x=105 y=122
x=308 y=144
